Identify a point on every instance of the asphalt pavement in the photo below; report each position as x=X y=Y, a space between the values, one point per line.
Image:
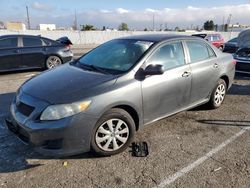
x=197 y=148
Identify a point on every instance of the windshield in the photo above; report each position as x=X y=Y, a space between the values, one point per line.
x=233 y=40
x=117 y=55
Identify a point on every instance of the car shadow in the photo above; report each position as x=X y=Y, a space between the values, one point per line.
x=22 y=71
x=238 y=89
x=5 y=101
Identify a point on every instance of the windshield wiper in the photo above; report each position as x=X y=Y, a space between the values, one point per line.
x=92 y=68
x=99 y=69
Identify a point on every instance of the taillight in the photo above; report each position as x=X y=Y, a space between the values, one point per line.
x=234 y=62
x=68 y=47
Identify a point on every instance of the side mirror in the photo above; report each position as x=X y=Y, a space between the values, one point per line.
x=154 y=70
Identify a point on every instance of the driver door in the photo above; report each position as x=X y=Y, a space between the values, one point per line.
x=168 y=93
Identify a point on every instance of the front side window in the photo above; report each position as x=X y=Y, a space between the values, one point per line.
x=10 y=42
x=170 y=56
x=31 y=42
x=117 y=55
x=197 y=51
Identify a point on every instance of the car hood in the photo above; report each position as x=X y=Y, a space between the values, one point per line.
x=244 y=39
x=67 y=84
x=231 y=44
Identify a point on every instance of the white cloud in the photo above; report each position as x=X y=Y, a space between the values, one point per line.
x=140 y=19
x=41 y=6
x=122 y=11
x=105 y=11
x=150 y=10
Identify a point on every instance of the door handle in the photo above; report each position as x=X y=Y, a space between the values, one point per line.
x=186 y=74
x=216 y=65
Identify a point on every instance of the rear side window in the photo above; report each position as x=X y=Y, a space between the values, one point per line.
x=10 y=42
x=169 y=55
x=47 y=42
x=211 y=52
x=198 y=51
x=31 y=42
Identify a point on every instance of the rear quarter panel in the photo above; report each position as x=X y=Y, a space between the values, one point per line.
x=226 y=66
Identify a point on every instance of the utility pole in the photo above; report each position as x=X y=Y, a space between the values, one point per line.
x=153 y=21
x=28 y=17
x=75 y=24
x=223 y=23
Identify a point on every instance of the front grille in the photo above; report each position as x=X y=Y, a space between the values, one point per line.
x=243 y=67
x=25 y=109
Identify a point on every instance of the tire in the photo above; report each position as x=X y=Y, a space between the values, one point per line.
x=52 y=62
x=105 y=142
x=218 y=94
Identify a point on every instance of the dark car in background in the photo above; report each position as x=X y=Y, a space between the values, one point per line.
x=242 y=55
x=21 y=52
x=99 y=101
x=215 y=39
x=231 y=46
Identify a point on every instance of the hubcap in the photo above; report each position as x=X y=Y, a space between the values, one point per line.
x=219 y=94
x=112 y=135
x=53 y=61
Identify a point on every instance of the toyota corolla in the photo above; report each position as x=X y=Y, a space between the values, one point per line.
x=99 y=101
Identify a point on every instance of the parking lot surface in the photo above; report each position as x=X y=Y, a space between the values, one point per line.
x=197 y=148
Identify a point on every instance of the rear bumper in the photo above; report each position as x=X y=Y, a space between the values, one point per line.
x=68 y=136
x=66 y=56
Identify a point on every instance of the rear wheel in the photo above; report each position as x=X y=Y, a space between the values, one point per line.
x=53 y=61
x=218 y=95
x=113 y=132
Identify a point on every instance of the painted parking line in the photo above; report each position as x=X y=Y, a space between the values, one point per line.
x=29 y=75
x=170 y=179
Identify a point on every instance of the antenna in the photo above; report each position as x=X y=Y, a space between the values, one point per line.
x=28 y=17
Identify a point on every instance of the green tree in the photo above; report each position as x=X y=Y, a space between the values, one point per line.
x=123 y=27
x=146 y=29
x=88 y=27
x=209 y=25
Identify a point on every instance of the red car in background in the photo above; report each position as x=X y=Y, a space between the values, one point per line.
x=216 y=39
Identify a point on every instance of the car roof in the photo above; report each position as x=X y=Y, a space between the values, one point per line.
x=17 y=35
x=157 y=37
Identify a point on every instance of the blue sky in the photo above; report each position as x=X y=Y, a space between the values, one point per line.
x=137 y=13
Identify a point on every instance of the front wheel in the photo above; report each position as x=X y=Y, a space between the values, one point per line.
x=218 y=94
x=113 y=132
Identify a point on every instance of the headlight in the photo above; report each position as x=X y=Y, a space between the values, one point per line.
x=55 y=112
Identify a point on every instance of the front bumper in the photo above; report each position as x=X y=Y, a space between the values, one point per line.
x=68 y=136
x=242 y=66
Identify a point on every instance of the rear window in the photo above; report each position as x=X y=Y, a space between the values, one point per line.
x=31 y=42
x=10 y=42
x=47 y=42
x=216 y=38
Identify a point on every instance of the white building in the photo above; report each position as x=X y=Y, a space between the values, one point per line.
x=47 y=27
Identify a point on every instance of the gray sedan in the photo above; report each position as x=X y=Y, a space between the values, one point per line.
x=99 y=101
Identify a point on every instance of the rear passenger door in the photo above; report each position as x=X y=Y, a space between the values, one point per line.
x=33 y=52
x=205 y=70
x=10 y=57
